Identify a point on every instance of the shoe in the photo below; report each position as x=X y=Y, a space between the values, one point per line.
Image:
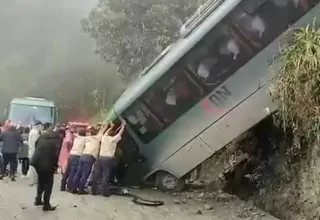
x=93 y=192
x=74 y=191
x=62 y=189
x=38 y=202
x=82 y=192
x=48 y=208
x=106 y=193
x=1 y=177
x=13 y=179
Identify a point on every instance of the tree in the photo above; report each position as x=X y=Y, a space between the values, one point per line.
x=130 y=33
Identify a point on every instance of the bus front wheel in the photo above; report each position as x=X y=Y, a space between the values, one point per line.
x=168 y=182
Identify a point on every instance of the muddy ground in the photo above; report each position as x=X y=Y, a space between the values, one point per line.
x=16 y=200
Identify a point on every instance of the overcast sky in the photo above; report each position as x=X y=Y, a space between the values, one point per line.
x=43 y=37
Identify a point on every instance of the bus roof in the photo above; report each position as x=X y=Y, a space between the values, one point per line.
x=173 y=55
x=33 y=101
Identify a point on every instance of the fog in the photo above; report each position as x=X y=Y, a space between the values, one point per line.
x=41 y=38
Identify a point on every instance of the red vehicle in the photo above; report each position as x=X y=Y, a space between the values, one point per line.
x=78 y=125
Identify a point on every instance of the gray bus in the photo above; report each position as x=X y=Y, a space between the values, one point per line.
x=208 y=87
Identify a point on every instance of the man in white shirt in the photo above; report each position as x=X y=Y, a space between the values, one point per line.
x=87 y=160
x=34 y=134
x=73 y=160
x=106 y=161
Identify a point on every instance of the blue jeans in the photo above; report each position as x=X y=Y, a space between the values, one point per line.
x=72 y=166
x=86 y=162
x=103 y=169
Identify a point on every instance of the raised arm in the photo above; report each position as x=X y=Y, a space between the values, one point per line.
x=109 y=129
x=123 y=126
x=104 y=127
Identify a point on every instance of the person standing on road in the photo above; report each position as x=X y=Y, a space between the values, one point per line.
x=87 y=160
x=24 y=153
x=73 y=160
x=106 y=161
x=12 y=142
x=45 y=162
x=65 y=149
x=34 y=134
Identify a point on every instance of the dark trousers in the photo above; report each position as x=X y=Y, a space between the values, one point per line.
x=45 y=184
x=70 y=172
x=118 y=171
x=104 y=169
x=83 y=172
x=25 y=163
x=9 y=158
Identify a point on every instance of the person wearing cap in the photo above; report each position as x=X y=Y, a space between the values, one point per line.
x=34 y=134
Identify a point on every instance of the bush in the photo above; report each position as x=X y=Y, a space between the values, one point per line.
x=298 y=89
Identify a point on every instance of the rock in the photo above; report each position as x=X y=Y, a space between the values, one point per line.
x=176 y=201
x=174 y=194
x=198 y=212
x=222 y=197
x=208 y=207
x=201 y=195
x=75 y=206
x=184 y=201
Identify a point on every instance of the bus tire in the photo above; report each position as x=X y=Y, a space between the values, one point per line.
x=167 y=182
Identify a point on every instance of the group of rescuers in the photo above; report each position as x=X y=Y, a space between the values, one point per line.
x=92 y=153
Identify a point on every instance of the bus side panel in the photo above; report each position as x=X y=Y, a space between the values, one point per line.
x=186 y=157
x=240 y=119
x=237 y=121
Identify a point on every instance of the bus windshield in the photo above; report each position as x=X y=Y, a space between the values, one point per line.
x=28 y=114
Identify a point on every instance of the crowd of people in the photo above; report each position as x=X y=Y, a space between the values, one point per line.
x=83 y=157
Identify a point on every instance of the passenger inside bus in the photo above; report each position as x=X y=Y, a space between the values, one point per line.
x=260 y=27
x=219 y=58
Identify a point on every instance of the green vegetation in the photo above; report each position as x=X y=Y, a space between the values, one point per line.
x=298 y=89
x=132 y=33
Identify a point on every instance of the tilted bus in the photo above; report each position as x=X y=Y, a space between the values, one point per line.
x=208 y=87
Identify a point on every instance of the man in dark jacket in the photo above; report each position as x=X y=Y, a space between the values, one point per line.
x=12 y=142
x=45 y=161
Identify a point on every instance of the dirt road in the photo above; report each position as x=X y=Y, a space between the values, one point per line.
x=16 y=200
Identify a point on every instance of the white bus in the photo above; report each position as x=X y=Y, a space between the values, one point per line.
x=208 y=87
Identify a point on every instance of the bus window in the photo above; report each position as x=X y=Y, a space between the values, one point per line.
x=262 y=24
x=172 y=96
x=218 y=56
x=143 y=122
x=249 y=28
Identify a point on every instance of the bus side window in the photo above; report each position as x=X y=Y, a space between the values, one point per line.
x=143 y=122
x=218 y=56
x=261 y=25
x=173 y=95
